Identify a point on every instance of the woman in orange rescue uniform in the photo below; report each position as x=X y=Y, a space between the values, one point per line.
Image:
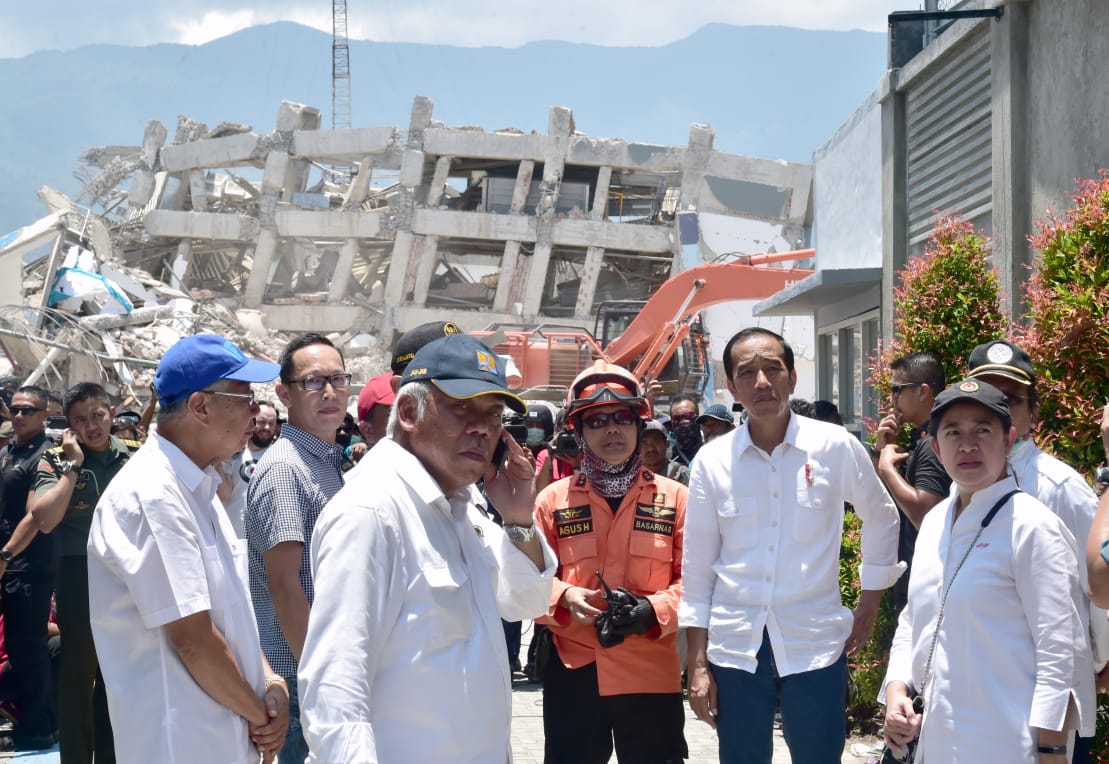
x=613 y=676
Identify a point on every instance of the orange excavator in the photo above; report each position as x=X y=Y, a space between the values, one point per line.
x=660 y=339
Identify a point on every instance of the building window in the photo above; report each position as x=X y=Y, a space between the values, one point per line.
x=844 y=351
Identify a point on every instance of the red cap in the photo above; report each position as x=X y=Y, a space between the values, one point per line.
x=377 y=390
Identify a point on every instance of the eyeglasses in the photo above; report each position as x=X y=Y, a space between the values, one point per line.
x=24 y=410
x=683 y=418
x=312 y=384
x=898 y=389
x=249 y=397
x=623 y=417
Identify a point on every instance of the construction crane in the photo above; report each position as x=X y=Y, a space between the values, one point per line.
x=340 y=73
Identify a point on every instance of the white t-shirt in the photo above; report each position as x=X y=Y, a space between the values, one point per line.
x=161 y=548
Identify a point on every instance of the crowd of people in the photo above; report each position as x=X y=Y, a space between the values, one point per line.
x=338 y=588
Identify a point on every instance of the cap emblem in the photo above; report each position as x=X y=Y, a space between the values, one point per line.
x=449 y=329
x=486 y=362
x=999 y=352
x=969 y=386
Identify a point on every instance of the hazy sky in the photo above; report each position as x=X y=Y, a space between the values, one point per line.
x=26 y=27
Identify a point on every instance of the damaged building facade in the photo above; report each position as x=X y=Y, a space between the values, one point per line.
x=366 y=232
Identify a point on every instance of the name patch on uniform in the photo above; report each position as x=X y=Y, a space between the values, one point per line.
x=654 y=519
x=573 y=521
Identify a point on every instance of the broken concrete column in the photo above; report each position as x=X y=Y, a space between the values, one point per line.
x=273 y=176
x=594 y=256
x=510 y=261
x=438 y=181
x=340 y=280
x=425 y=269
x=142 y=182
x=560 y=127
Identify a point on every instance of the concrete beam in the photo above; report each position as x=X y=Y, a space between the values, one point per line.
x=336 y=144
x=470 y=143
x=308 y=317
x=229 y=151
x=473 y=225
x=601 y=233
x=220 y=226
x=590 y=151
x=329 y=224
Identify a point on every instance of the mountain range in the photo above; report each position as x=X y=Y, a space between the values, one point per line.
x=772 y=92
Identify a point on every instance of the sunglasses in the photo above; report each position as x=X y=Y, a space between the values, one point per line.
x=898 y=389
x=623 y=417
x=24 y=410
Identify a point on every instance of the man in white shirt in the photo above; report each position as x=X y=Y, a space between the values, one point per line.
x=171 y=612
x=760 y=571
x=404 y=657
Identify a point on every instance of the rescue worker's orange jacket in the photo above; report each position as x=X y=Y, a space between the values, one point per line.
x=638 y=547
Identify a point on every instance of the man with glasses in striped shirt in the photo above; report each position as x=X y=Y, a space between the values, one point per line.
x=292 y=482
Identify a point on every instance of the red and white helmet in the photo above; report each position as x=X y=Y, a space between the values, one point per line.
x=601 y=384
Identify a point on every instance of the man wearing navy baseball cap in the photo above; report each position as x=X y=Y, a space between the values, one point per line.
x=405 y=653
x=171 y=611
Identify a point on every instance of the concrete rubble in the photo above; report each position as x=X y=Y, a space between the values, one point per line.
x=358 y=233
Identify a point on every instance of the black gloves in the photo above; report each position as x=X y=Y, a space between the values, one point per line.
x=627 y=614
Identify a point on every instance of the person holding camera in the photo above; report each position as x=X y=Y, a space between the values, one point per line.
x=613 y=677
x=992 y=636
x=70 y=481
x=27 y=570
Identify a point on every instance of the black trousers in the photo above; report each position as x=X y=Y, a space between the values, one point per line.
x=580 y=726
x=26 y=606
x=83 y=723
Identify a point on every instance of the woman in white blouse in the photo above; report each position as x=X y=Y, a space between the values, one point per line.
x=991 y=638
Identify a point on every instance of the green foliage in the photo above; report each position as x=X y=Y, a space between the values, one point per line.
x=868 y=666
x=1068 y=333
x=948 y=301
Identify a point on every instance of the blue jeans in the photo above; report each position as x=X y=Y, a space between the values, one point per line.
x=812 y=705
x=295 y=750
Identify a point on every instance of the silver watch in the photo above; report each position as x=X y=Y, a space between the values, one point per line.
x=519 y=534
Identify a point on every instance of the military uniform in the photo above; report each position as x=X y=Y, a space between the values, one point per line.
x=83 y=723
x=633 y=688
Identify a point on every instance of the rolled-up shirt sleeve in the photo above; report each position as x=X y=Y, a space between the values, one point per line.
x=880 y=567
x=523 y=591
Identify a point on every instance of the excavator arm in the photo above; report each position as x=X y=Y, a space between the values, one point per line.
x=664 y=322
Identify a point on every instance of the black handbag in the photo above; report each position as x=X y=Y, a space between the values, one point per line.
x=908 y=754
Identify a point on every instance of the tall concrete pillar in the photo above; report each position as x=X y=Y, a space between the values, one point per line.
x=594 y=256
x=511 y=266
x=425 y=269
x=340 y=279
x=560 y=128
x=694 y=159
x=273 y=178
x=895 y=192
x=438 y=181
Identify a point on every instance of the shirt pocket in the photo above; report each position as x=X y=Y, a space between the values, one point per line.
x=577 y=560
x=450 y=611
x=650 y=562
x=816 y=511
x=739 y=523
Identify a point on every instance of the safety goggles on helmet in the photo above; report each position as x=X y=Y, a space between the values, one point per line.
x=604 y=384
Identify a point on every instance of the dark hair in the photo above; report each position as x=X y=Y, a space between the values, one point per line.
x=41 y=393
x=303 y=341
x=81 y=392
x=922 y=367
x=754 y=331
x=802 y=407
x=55 y=398
x=826 y=411
x=686 y=397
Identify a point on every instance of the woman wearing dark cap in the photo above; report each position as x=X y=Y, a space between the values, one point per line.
x=991 y=639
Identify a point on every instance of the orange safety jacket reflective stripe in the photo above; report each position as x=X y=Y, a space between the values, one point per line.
x=638 y=547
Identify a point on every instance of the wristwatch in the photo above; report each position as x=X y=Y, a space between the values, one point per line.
x=6 y=556
x=66 y=467
x=519 y=534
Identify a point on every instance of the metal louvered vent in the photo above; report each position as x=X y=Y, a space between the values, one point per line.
x=949 y=140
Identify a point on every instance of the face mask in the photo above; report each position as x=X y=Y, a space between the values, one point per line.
x=536 y=436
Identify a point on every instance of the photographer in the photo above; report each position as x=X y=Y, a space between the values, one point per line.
x=561 y=458
x=28 y=576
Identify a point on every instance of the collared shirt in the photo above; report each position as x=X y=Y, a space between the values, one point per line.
x=18 y=463
x=1011 y=651
x=923 y=471
x=1068 y=495
x=160 y=549
x=96 y=471
x=405 y=655
x=292 y=482
x=762 y=541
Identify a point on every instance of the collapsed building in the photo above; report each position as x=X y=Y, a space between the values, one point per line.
x=363 y=233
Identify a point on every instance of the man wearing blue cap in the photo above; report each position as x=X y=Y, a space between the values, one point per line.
x=171 y=611
x=404 y=657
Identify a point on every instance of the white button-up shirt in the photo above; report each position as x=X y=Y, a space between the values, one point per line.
x=762 y=542
x=1012 y=647
x=404 y=660
x=161 y=548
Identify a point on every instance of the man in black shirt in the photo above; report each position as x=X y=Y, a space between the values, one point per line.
x=27 y=569
x=915 y=478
